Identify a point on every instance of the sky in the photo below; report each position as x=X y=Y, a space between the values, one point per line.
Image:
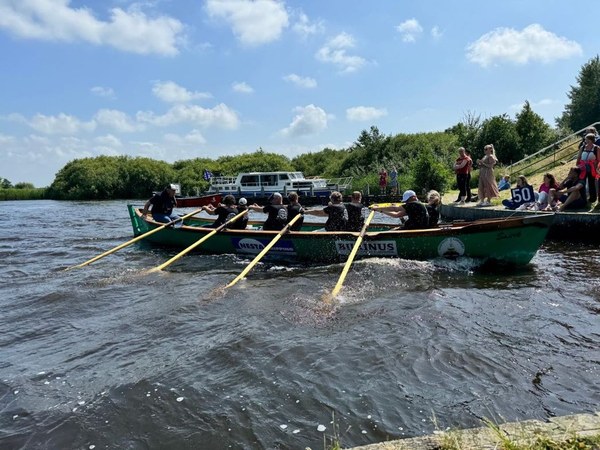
x=180 y=79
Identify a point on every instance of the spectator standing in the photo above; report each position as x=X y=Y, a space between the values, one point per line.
x=487 y=182
x=469 y=194
x=587 y=159
x=461 y=167
x=382 y=180
x=394 y=181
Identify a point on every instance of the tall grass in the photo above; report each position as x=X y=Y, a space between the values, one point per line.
x=23 y=194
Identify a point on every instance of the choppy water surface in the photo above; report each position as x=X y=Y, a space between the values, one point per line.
x=107 y=357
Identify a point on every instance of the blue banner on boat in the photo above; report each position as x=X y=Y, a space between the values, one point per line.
x=255 y=246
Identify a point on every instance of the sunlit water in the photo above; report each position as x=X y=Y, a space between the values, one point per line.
x=108 y=357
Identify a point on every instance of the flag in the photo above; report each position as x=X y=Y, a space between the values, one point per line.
x=207 y=175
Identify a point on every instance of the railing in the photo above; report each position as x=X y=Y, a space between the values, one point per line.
x=556 y=151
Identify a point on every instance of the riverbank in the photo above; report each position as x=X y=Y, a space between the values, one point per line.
x=557 y=429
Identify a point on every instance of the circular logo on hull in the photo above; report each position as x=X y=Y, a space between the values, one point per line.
x=451 y=248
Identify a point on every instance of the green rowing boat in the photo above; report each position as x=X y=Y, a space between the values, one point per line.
x=509 y=241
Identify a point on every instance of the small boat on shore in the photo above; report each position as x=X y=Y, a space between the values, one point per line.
x=513 y=241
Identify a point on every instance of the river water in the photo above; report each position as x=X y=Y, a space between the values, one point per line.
x=107 y=357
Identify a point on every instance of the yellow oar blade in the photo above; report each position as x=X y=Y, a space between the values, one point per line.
x=263 y=251
x=132 y=241
x=340 y=282
x=196 y=244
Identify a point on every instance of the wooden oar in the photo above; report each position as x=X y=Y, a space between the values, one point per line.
x=197 y=243
x=338 y=286
x=140 y=237
x=263 y=251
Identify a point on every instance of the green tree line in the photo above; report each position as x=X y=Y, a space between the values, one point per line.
x=423 y=160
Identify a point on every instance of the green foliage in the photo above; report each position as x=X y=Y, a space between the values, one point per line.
x=259 y=161
x=4 y=183
x=502 y=133
x=23 y=193
x=106 y=177
x=326 y=163
x=24 y=186
x=533 y=132
x=429 y=171
x=466 y=131
x=584 y=106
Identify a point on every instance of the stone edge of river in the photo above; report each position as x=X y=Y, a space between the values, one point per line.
x=485 y=438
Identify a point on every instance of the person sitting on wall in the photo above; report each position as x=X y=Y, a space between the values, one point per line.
x=417 y=214
x=571 y=192
x=522 y=194
x=161 y=205
x=276 y=212
x=504 y=183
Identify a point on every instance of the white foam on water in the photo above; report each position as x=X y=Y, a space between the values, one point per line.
x=321 y=428
x=296 y=431
x=283 y=426
x=179 y=399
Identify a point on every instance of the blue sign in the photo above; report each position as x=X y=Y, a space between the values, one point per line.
x=521 y=195
x=255 y=245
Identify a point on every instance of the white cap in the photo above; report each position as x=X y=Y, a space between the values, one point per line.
x=242 y=201
x=408 y=194
x=173 y=187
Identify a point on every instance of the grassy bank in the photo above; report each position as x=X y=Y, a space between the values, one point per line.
x=23 y=194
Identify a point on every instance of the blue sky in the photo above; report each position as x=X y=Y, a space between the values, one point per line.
x=179 y=79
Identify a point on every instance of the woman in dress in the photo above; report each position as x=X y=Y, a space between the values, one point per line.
x=487 y=181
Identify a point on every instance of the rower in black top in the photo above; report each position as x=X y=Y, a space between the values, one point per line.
x=224 y=211
x=356 y=218
x=276 y=213
x=418 y=217
x=294 y=209
x=335 y=211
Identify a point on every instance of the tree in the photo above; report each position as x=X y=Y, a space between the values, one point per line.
x=501 y=132
x=467 y=130
x=584 y=106
x=23 y=185
x=429 y=172
x=5 y=184
x=533 y=132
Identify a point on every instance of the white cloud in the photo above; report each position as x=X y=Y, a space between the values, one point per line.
x=171 y=92
x=303 y=82
x=532 y=44
x=334 y=52
x=309 y=119
x=410 y=30
x=195 y=137
x=108 y=141
x=365 y=113
x=117 y=120
x=101 y=91
x=254 y=22
x=221 y=115
x=242 y=87
x=304 y=27
x=55 y=20
x=436 y=33
x=60 y=124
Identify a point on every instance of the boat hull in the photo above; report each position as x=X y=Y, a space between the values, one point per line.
x=204 y=200
x=511 y=242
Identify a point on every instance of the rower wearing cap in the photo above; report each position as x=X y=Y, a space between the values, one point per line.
x=418 y=217
x=161 y=205
x=276 y=211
